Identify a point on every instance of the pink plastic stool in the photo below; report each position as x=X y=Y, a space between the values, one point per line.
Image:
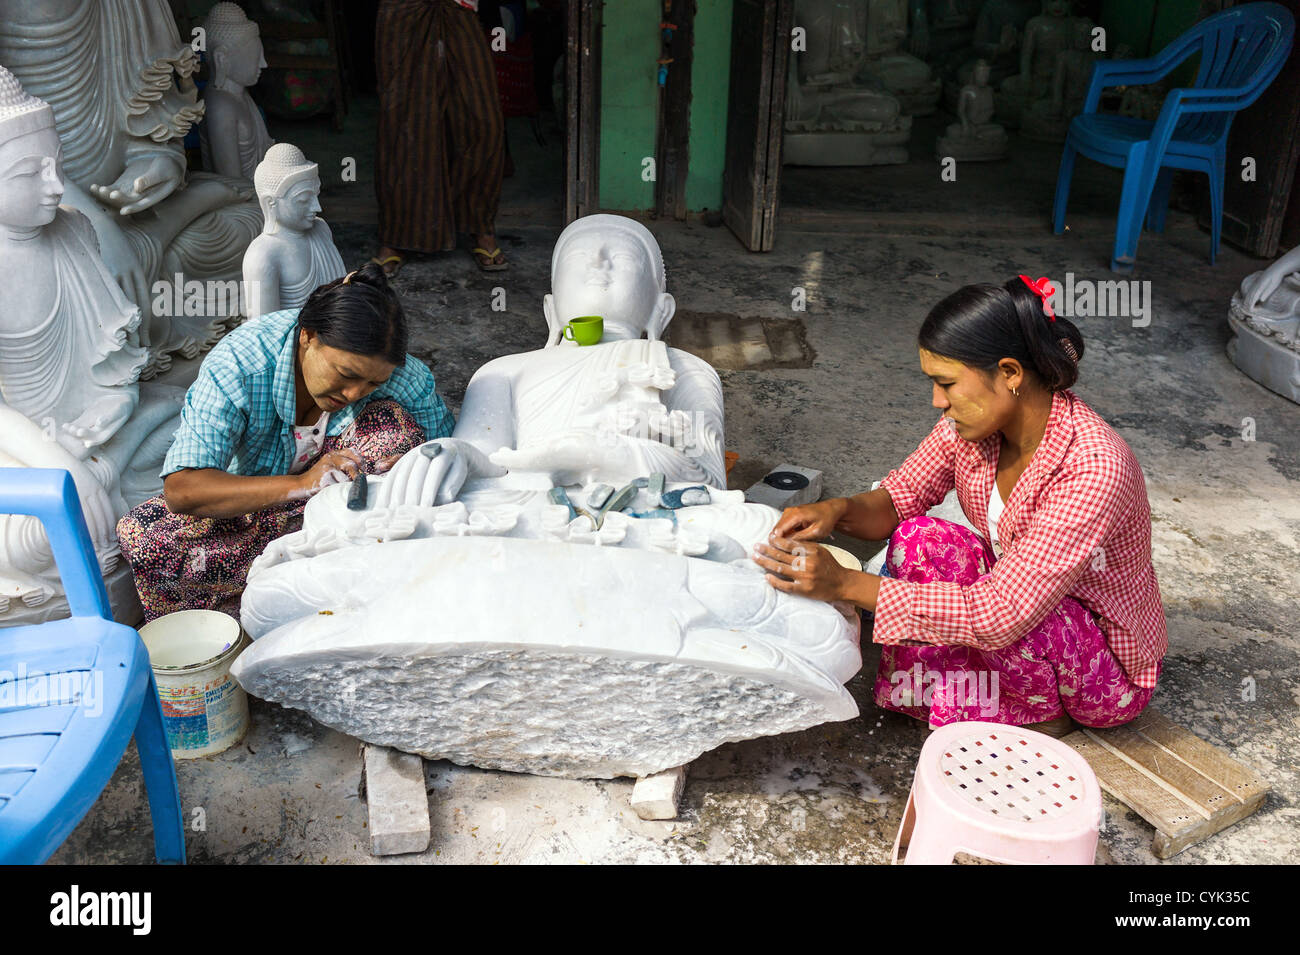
x=1002 y=793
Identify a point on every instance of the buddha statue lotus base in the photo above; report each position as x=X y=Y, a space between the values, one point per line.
x=847 y=147
x=621 y=651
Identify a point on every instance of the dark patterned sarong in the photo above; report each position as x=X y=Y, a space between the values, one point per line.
x=182 y=562
x=440 y=149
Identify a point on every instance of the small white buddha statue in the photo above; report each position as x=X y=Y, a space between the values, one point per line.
x=233 y=134
x=69 y=359
x=974 y=137
x=1265 y=320
x=295 y=252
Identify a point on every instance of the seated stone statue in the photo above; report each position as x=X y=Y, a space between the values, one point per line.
x=974 y=137
x=517 y=619
x=1048 y=118
x=1046 y=37
x=832 y=118
x=295 y=252
x=68 y=365
x=120 y=82
x=232 y=134
x=903 y=75
x=996 y=40
x=1265 y=320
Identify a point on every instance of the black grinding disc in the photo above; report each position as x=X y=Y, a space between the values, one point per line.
x=786 y=480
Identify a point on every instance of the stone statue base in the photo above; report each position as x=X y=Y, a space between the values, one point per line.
x=1264 y=358
x=847 y=148
x=123 y=601
x=990 y=145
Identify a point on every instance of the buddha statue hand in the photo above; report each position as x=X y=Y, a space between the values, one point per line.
x=1258 y=287
x=418 y=478
x=145 y=182
x=575 y=457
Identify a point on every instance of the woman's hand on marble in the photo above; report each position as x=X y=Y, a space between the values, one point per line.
x=802 y=568
x=141 y=185
x=332 y=468
x=427 y=481
x=811 y=521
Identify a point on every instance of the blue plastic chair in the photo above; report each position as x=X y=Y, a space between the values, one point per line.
x=1242 y=50
x=72 y=693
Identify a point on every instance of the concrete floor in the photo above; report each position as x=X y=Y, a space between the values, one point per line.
x=1225 y=515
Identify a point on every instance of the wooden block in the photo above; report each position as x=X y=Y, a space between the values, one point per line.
x=1185 y=787
x=656 y=796
x=397 y=800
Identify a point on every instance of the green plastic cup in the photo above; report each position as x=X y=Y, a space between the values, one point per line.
x=585 y=330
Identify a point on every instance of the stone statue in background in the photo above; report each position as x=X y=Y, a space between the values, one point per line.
x=974 y=137
x=1048 y=118
x=120 y=82
x=1046 y=36
x=996 y=40
x=295 y=252
x=1265 y=320
x=503 y=619
x=901 y=74
x=833 y=118
x=69 y=366
x=233 y=134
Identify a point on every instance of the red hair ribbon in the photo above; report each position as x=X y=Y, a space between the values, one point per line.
x=1042 y=288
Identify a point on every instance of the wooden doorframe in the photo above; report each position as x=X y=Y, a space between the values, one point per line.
x=751 y=181
x=673 y=149
x=582 y=109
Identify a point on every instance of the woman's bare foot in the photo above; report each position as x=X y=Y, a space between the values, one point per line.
x=388 y=259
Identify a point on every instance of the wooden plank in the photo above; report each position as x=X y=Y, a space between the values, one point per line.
x=675 y=115
x=1237 y=778
x=1166 y=768
x=1154 y=803
x=396 y=799
x=1165 y=845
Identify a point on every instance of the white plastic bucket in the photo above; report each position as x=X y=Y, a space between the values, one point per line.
x=204 y=710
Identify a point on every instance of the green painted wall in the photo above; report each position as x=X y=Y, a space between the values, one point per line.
x=710 y=84
x=629 y=104
x=629 y=101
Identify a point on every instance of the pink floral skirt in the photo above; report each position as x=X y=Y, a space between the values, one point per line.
x=1062 y=666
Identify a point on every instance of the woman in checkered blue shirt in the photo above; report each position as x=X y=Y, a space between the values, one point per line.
x=1047 y=611
x=283 y=406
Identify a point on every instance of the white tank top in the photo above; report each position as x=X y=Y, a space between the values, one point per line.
x=995 y=512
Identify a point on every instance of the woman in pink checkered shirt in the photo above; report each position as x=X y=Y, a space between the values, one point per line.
x=1049 y=611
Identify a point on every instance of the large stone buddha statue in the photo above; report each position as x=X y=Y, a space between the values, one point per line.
x=120 y=82
x=295 y=252
x=905 y=76
x=832 y=116
x=69 y=365
x=479 y=603
x=233 y=133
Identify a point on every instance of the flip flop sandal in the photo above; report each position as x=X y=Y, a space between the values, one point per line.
x=484 y=259
x=383 y=264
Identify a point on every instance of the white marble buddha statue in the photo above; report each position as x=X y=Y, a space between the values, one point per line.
x=233 y=133
x=120 y=81
x=570 y=414
x=1046 y=37
x=832 y=118
x=974 y=137
x=69 y=361
x=1048 y=118
x=905 y=76
x=295 y=252
x=1265 y=320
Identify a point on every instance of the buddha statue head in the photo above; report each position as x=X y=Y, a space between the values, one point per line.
x=609 y=266
x=234 y=46
x=31 y=174
x=980 y=73
x=288 y=189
